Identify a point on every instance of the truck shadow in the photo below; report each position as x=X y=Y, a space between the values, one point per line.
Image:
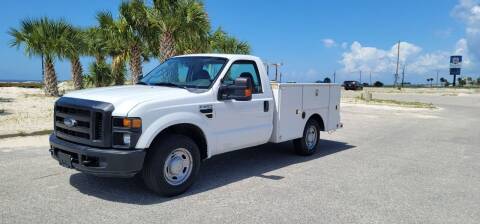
x=216 y=172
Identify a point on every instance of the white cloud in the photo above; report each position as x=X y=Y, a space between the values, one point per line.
x=384 y=61
x=344 y=45
x=430 y=62
x=328 y=43
x=468 y=11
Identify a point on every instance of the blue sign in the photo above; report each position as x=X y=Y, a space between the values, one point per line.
x=454 y=71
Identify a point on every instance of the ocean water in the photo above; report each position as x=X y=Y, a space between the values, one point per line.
x=20 y=80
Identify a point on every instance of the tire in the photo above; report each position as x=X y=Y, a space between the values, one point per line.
x=308 y=143
x=172 y=165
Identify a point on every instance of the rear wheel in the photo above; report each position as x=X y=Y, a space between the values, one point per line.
x=308 y=144
x=172 y=165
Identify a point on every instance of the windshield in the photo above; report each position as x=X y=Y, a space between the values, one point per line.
x=186 y=72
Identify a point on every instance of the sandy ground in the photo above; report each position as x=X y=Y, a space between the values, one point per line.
x=24 y=110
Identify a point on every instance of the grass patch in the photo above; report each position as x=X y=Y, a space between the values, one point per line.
x=6 y=100
x=410 y=104
x=23 y=134
x=21 y=84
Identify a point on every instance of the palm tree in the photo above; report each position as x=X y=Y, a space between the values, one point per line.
x=96 y=46
x=430 y=80
x=117 y=39
x=72 y=47
x=183 y=26
x=221 y=42
x=42 y=37
x=136 y=32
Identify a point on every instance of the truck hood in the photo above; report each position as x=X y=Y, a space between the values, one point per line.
x=124 y=98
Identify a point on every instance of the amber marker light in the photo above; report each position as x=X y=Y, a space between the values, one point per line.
x=132 y=123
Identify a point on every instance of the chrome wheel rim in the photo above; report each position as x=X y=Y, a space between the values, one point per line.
x=178 y=166
x=312 y=137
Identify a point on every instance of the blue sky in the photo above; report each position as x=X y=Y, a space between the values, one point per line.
x=312 y=38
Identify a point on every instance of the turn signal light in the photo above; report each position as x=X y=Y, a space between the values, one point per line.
x=132 y=123
x=248 y=92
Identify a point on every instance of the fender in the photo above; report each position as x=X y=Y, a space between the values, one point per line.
x=168 y=120
x=322 y=112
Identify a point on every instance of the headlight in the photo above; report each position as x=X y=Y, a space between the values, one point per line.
x=126 y=138
x=126 y=132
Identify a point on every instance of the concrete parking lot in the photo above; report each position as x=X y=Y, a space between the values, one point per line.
x=387 y=165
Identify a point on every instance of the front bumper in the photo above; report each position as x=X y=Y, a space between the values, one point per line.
x=98 y=161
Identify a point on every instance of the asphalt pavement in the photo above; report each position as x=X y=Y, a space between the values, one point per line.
x=387 y=165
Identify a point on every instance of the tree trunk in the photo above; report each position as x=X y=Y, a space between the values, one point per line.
x=167 y=46
x=77 y=76
x=99 y=59
x=135 y=63
x=50 y=77
x=118 y=70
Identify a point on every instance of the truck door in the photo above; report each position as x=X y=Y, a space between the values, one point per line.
x=240 y=124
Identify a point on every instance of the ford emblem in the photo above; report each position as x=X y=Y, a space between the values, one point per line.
x=70 y=122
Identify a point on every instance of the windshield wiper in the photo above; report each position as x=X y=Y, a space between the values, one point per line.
x=169 y=84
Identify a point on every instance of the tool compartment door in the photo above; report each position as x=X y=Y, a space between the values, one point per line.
x=334 y=108
x=288 y=122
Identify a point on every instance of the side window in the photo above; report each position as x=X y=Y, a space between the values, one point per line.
x=244 y=69
x=182 y=73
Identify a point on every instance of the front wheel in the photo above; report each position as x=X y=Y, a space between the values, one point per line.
x=172 y=165
x=308 y=144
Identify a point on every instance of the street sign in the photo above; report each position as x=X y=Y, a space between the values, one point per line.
x=456 y=61
x=454 y=71
x=455 y=66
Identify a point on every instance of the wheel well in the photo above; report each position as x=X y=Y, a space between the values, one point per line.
x=189 y=130
x=319 y=119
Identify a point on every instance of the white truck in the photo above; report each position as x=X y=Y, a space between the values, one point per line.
x=186 y=110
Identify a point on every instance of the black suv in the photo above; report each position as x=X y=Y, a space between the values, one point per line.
x=352 y=85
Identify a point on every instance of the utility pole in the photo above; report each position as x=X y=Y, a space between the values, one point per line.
x=370 y=81
x=360 y=76
x=437 y=78
x=398 y=60
x=403 y=73
x=276 y=69
x=334 y=74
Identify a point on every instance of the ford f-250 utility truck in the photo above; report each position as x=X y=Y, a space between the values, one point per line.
x=184 y=111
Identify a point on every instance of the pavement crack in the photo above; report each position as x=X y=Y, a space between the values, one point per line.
x=49 y=175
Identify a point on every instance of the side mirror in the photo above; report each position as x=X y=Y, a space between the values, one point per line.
x=240 y=90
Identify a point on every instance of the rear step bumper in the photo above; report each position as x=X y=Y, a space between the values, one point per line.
x=97 y=161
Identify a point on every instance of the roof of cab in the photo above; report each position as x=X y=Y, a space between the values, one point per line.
x=228 y=56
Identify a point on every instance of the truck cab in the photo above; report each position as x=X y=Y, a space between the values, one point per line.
x=184 y=111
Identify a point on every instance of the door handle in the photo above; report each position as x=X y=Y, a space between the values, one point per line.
x=266 y=106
